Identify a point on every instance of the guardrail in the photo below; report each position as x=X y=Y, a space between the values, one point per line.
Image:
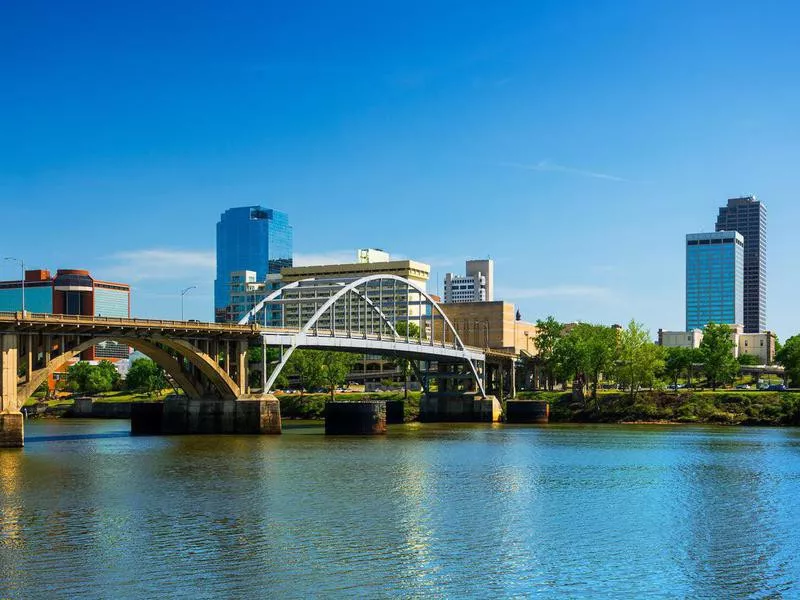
x=88 y=319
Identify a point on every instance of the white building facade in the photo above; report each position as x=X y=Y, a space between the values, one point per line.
x=476 y=286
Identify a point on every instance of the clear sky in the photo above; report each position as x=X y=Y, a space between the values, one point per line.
x=575 y=142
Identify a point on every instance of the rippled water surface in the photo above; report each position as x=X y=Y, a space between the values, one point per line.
x=433 y=510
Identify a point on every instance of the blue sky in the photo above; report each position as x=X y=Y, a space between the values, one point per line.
x=573 y=142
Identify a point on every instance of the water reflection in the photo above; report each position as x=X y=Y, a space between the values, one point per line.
x=425 y=511
x=730 y=502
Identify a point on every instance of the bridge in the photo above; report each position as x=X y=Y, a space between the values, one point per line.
x=378 y=314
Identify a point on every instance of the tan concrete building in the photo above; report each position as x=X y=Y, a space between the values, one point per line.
x=492 y=325
x=760 y=345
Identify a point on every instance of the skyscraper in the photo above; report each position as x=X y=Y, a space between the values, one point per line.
x=250 y=238
x=749 y=217
x=714 y=278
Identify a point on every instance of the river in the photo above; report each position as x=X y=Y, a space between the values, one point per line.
x=427 y=510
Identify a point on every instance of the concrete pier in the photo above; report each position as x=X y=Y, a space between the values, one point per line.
x=395 y=412
x=355 y=418
x=11 y=430
x=527 y=411
x=178 y=415
x=459 y=407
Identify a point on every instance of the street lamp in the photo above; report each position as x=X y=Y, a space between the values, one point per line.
x=183 y=293
x=22 y=266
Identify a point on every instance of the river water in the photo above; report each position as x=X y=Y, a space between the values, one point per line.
x=427 y=510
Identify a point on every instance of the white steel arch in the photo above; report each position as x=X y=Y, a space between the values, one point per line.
x=304 y=337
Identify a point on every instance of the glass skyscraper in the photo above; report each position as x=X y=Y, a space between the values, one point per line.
x=749 y=217
x=714 y=279
x=250 y=238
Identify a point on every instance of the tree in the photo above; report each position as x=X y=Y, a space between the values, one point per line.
x=110 y=372
x=306 y=365
x=719 y=364
x=335 y=367
x=597 y=346
x=789 y=357
x=676 y=361
x=78 y=376
x=145 y=376
x=548 y=333
x=83 y=377
x=567 y=363
x=748 y=360
x=413 y=330
x=639 y=358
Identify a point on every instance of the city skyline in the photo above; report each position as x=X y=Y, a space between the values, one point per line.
x=576 y=167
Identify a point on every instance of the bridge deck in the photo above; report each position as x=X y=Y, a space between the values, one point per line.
x=14 y=322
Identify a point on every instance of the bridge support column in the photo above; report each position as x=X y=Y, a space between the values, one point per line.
x=355 y=418
x=9 y=364
x=456 y=407
x=11 y=425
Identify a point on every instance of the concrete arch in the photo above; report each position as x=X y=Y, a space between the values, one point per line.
x=226 y=387
x=162 y=358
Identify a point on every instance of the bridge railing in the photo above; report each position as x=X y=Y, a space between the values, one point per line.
x=130 y=321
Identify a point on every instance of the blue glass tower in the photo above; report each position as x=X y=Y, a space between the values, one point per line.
x=714 y=279
x=250 y=238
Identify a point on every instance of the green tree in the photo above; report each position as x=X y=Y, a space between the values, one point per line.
x=413 y=330
x=748 y=360
x=548 y=334
x=639 y=358
x=597 y=346
x=716 y=349
x=98 y=381
x=678 y=361
x=306 y=365
x=146 y=377
x=568 y=364
x=78 y=376
x=110 y=372
x=789 y=357
x=335 y=367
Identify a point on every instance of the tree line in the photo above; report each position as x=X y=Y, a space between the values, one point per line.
x=586 y=354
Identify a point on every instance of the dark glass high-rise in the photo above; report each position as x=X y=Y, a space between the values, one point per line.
x=250 y=238
x=748 y=216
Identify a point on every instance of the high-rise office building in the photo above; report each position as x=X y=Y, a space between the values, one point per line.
x=748 y=216
x=476 y=286
x=714 y=278
x=250 y=238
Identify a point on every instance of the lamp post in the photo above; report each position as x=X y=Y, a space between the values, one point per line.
x=184 y=291
x=22 y=267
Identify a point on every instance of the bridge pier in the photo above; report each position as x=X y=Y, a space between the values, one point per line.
x=11 y=430
x=454 y=407
x=252 y=414
x=11 y=422
x=355 y=418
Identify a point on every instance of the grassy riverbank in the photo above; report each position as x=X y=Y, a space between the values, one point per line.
x=722 y=407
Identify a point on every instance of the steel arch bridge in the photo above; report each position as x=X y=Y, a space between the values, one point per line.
x=374 y=314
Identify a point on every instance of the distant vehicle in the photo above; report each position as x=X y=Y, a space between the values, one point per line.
x=777 y=388
x=676 y=386
x=743 y=386
x=193 y=320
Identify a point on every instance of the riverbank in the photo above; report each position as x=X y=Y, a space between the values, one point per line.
x=721 y=407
